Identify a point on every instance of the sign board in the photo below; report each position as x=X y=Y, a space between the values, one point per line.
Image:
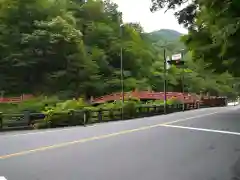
x=168 y=66
x=177 y=57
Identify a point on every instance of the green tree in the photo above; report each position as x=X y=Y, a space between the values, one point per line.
x=213 y=30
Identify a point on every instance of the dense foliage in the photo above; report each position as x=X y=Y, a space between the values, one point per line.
x=52 y=112
x=214 y=29
x=71 y=48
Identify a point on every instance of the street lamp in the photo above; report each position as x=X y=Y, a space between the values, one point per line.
x=177 y=59
x=121 y=61
x=165 y=78
x=183 y=90
x=165 y=81
x=2 y=94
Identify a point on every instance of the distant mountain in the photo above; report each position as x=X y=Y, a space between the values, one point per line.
x=165 y=34
x=166 y=37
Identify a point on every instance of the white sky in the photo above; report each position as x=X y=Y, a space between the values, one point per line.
x=139 y=11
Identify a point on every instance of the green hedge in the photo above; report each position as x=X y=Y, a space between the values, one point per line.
x=71 y=112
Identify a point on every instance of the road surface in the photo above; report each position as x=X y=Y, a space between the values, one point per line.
x=194 y=145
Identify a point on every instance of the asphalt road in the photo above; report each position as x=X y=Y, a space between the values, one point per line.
x=195 y=145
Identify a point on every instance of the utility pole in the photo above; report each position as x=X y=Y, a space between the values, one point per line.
x=121 y=61
x=183 y=90
x=2 y=94
x=177 y=59
x=165 y=81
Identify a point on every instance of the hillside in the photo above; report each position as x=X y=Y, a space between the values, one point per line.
x=165 y=35
x=168 y=38
x=70 y=50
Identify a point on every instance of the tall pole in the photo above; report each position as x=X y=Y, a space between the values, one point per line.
x=234 y=88
x=2 y=94
x=165 y=81
x=121 y=60
x=183 y=90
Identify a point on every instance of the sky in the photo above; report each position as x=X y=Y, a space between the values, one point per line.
x=139 y=11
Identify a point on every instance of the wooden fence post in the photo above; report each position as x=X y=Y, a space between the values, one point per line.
x=72 y=117
x=100 y=115
x=85 y=118
x=27 y=118
x=155 y=109
x=111 y=114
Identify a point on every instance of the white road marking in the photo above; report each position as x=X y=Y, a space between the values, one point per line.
x=205 y=130
x=193 y=117
x=104 y=136
x=233 y=104
x=2 y=178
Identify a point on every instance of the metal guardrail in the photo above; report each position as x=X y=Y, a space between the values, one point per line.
x=27 y=120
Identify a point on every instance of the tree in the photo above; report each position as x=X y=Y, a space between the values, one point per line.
x=72 y=48
x=213 y=30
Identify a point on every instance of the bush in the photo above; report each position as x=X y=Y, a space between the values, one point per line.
x=41 y=125
x=9 y=108
x=71 y=112
x=158 y=102
x=174 y=101
x=37 y=104
x=62 y=113
x=57 y=119
x=129 y=109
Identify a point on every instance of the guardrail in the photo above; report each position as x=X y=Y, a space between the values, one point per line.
x=16 y=99
x=28 y=120
x=19 y=121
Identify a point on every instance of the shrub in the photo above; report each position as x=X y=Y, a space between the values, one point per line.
x=130 y=109
x=41 y=125
x=36 y=104
x=174 y=101
x=158 y=102
x=71 y=112
x=62 y=113
x=9 y=108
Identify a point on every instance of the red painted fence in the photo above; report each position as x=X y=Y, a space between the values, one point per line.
x=15 y=99
x=147 y=95
x=143 y=95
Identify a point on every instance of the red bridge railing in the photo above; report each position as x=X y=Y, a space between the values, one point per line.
x=15 y=99
x=147 y=95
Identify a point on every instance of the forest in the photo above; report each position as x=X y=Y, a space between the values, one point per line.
x=71 y=48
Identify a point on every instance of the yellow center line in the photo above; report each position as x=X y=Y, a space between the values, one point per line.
x=84 y=140
x=44 y=148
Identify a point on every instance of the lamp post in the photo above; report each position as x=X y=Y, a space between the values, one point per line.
x=2 y=94
x=165 y=81
x=183 y=90
x=121 y=62
x=165 y=77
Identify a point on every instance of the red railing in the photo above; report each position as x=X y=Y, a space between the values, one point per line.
x=147 y=95
x=143 y=95
x=15 y=99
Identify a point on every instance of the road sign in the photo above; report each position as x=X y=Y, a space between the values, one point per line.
x=176 y=57
x=168 y=66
